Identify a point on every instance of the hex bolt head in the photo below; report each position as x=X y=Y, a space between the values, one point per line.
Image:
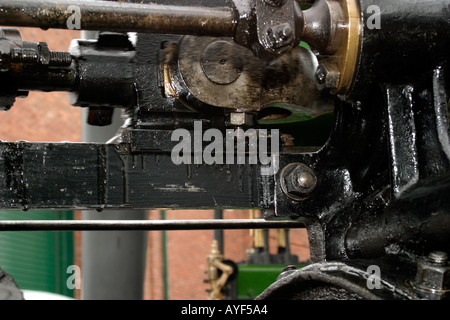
x=298 y=181
x=433 y=273
x=241 y=119
x=321 y=75
x=327 y=75
x=280 y=36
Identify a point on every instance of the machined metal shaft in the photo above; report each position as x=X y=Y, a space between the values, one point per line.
x=76 y=225
x=118 y=17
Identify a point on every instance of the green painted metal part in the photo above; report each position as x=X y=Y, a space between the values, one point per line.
x=252 y=280
x=306 y=130
x=38 y=260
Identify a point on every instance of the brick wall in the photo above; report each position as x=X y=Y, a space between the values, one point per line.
x=187 y=252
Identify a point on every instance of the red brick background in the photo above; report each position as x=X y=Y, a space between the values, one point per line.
x=188 y=250
x=49 y=117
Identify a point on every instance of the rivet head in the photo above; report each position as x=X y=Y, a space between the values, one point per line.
x=305 y=179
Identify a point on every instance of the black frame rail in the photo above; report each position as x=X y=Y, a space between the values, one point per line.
x=55 y=176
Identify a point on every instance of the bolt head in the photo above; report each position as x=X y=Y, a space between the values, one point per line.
x=241 y=119
x=305 y=179
x=327 y=76
x=280 y=36
x=297 y=181
x=321 y=75
x=433 y=273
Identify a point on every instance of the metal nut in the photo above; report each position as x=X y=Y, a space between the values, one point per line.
x=327 y=76
x=280 y=36
x=241 y=119
x=433 y=273
x=298 y=181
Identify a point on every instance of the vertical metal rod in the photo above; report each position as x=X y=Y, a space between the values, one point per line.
x=287 y=251
x=218 y=234
x=266 y=240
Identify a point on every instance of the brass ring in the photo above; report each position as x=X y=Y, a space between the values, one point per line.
x=348 y=54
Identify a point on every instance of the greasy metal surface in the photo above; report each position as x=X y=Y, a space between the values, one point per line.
x=95 y=176
x=391 y=139
x=120 y=16
x=346 y=281
x=267 y=29
x=255 y=83
x=279 y=28
x=432 y=276
x=421 y=34
x=402 y=138
x=242 y=94
x=418 y=223
x=335 y=31
x=396 y=144
x=52 y=225
x=29 y=66
x=105 y=71
x=297 y=181
x=9 y=39
x=325 y=26
x=219 y=64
